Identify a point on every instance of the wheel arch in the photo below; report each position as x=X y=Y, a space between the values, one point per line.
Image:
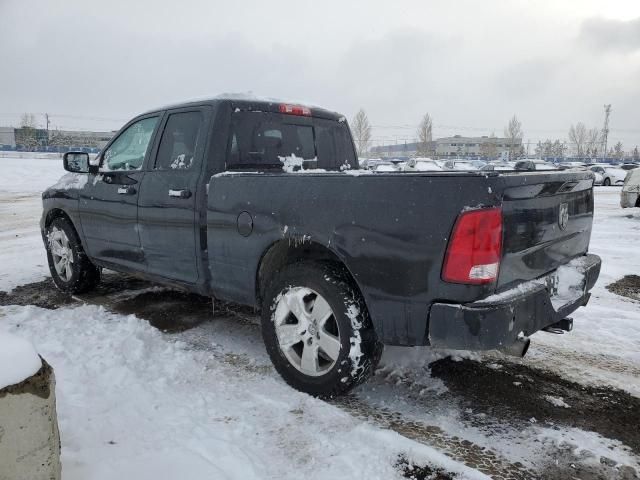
x=59 y=213
x=282 y=253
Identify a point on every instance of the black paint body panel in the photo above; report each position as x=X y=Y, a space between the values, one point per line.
x=494 y=326
x=390 y=230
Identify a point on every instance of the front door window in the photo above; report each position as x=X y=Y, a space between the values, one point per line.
x=127 y=152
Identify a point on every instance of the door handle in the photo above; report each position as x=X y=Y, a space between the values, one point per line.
x=126 y=190
x=180 y=193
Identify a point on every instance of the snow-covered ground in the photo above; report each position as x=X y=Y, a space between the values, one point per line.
x=18 y=359
x=604 y=347
x=134 y=402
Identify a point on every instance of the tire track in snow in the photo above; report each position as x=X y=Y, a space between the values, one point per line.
x=602 y=362
x=462 y=450
x=199 y=337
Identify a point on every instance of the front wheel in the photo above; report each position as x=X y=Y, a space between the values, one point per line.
x=71 y=270
x=317 y=330
x=607 y=182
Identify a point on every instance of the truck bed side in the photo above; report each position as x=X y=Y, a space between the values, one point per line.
x=390 y=231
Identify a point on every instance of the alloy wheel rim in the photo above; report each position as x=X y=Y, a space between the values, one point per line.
x=61 y=253
x=307 y=331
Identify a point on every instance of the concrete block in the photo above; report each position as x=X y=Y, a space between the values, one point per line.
x=29 y=437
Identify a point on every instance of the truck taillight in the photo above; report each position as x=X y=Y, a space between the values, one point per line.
x=294 y=110
x=475 y=247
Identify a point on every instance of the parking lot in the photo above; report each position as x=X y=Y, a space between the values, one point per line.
x=139 y=364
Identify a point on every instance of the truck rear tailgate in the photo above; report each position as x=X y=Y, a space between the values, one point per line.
x=547 y=222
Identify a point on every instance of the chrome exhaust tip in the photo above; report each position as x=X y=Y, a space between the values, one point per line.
x=518 y=348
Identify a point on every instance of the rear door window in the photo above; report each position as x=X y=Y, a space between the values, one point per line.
x=179 y=141
x=265 y=140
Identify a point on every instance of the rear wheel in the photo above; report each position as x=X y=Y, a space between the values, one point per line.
x=607 y=182
x=71 y=270
x=317 y=330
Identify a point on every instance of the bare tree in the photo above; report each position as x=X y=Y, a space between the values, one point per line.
x=636 y=154
x=26 y=135
x=361 y=129
x=551 y=148
x=425 y=136
x=513 y=133
x=618 y=151
x=558 y=149
x=579 y=137
x=28 y=120
x=594 y=139
x=59 y=140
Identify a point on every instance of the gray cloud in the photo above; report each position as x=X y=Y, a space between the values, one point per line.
x=530 y=78
x=611 y=35
x=470 y=72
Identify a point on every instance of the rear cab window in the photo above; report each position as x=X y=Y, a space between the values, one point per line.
x=268 y=140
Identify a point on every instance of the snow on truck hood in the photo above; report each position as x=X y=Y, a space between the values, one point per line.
x=71 y=180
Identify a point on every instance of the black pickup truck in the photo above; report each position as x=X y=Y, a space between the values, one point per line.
x=262 y=203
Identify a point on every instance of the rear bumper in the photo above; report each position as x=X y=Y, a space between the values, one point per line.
x=486 y=326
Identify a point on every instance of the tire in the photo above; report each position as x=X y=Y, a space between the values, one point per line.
x=328 y=346
x=607 y=182
x=71 y=270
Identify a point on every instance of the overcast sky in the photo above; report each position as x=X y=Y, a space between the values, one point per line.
x=470 y=64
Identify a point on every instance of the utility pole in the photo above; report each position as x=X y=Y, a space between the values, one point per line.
x=46 y=118
x=605 y=129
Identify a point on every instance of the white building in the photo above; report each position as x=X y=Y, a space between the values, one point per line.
x=459 y=146
x=7 y=136
x=456 y=146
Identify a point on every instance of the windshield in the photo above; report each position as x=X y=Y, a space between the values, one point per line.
x=267 y=140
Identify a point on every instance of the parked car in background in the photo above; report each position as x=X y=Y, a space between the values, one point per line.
x=503 y=166
x=532 y=165
x=464 y=165
x=385 y=167
x=422 y=165
x=598 y=178
x=381 y=165
x=571 y=165
x=630 y=194
x=610 y=175
x=629 y=166
x=369 y=163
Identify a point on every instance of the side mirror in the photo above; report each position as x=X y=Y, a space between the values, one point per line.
x=76 y=162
